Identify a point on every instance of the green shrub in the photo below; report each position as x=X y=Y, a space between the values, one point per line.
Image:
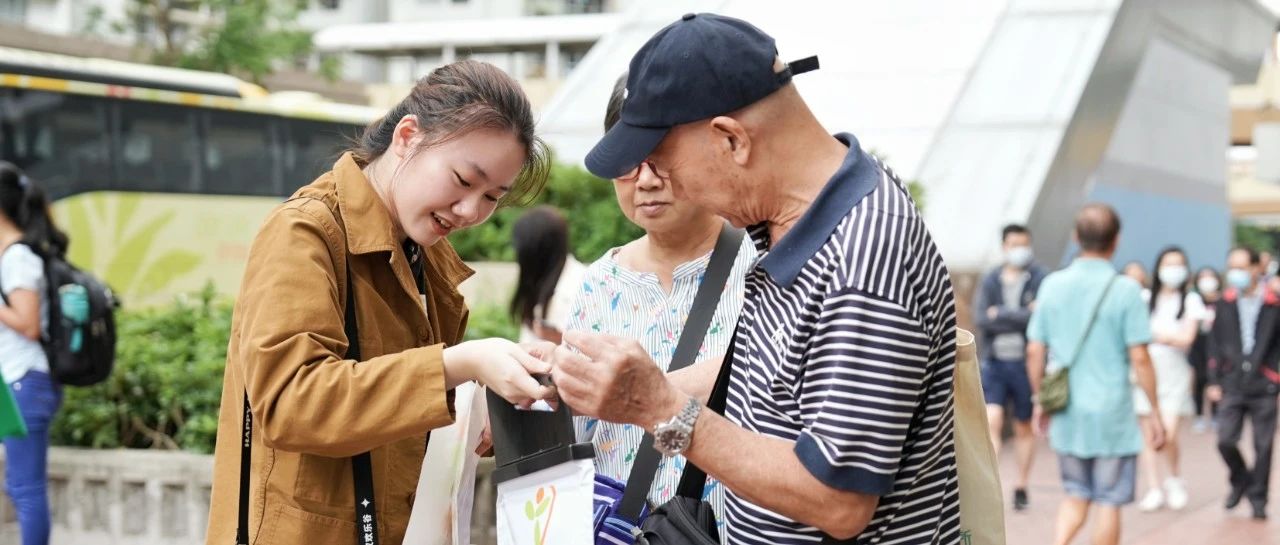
x=167 y=384
x=491 y=321
x=596 y=224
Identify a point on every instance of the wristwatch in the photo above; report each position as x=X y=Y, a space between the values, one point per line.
x=673 y=437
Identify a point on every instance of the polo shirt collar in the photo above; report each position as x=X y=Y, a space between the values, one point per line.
x=1093 y=263
x=856 y=177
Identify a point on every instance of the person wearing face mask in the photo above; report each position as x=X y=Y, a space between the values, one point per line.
x=346 y=342
x=1244 y=349
x=1270 y=270
x=1002 y=307
x=1209 y=286
x=644 y=290
x=1176 y=313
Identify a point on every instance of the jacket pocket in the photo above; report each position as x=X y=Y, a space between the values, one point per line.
x=289 y=525
x=325 y=481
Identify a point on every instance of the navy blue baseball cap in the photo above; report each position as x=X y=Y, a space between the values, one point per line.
x=699 y=67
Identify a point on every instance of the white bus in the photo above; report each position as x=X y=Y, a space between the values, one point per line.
x=161 y=176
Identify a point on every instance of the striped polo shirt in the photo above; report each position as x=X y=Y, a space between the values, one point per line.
x=846 y=346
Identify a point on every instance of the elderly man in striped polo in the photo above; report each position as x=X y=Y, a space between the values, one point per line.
x=839 y=408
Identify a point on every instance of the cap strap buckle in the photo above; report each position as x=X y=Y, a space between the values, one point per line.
x=797 y=67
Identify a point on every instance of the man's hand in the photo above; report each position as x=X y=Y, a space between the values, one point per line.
x=1153 y=431
x=993 y=313
x=613 y=379
x=1213 y=393
x=547 y=332
x=1040 y=421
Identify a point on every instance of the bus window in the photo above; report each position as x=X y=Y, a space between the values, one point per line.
x=157 y=148
x=239 y=154
x=58 y=139
x=313 y=148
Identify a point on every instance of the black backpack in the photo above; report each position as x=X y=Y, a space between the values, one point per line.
x=80 y=354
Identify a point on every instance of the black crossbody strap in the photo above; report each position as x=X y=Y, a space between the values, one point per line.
x=361 y=464
x=246 y=457
x=644 y=468
x=694 y=479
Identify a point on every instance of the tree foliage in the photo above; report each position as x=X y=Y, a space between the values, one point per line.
x=245 y=38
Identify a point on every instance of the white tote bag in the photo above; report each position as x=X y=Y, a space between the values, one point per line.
x=981 y=504
x=546 y=481
x=548 y=506
x=442 y=509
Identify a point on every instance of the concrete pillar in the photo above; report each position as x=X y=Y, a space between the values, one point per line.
x=449 y=54
x=519 y=68
x=553 y=61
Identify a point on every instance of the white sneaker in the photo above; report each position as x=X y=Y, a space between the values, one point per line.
x=1176 y=493
x=1153 y=501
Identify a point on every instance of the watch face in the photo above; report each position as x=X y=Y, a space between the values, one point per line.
x=671 y=440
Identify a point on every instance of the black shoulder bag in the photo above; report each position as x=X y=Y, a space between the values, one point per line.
x=686 y=519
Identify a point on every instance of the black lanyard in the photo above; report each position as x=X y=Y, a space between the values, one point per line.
x=361 y=464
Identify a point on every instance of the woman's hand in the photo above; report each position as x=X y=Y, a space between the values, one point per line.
x=502 y=366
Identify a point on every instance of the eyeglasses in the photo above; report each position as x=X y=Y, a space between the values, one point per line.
x=634 y=174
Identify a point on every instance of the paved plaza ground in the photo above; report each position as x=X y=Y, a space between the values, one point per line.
x=1203 y=521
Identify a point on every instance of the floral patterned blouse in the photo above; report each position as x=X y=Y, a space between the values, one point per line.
x=618 y=301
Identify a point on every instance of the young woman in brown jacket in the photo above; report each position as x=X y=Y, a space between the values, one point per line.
x=373 y=228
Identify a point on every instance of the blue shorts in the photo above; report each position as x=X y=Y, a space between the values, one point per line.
x=1005 y=382
x=1107 y=481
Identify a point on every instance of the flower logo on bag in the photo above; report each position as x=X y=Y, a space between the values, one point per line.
x=542 y=504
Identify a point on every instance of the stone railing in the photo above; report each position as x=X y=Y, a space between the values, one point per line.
x=143 y=497
x=119 y=496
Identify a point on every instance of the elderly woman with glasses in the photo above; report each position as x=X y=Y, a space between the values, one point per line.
x=644 y=290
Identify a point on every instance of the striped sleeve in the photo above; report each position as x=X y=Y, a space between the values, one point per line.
x=866 y=371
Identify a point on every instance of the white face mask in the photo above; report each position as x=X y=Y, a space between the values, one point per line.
x=1239 y=278
x=1173 y=275
x=1018 y=256
x=1208 y=284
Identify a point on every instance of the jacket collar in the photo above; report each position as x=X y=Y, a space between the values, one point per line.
x=367 y=222
x=369 y=227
